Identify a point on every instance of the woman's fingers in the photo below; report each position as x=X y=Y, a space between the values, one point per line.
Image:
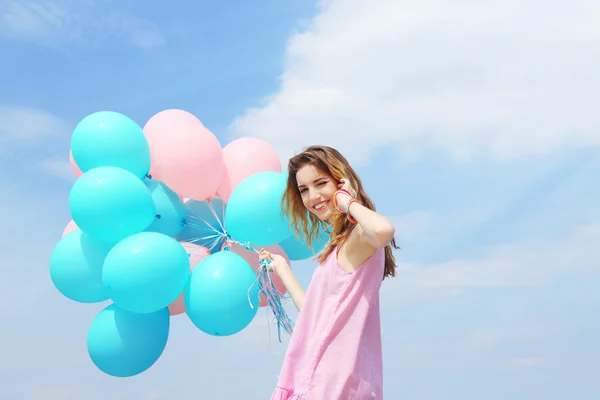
x=345 y=184
x=263 y=254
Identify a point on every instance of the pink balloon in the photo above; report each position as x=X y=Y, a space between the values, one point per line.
x=185 y=154
x=71 y=226
x=252 y=259
x=244 y=157
x=78 y=172
x=197 y=254
x=153 y=173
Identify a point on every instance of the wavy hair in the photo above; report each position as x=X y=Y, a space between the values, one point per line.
x=305 y=224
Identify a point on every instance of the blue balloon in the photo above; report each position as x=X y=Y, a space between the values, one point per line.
x=76 y=267
x=217 y=297
x=107 y=138
x=203 y=227
x=297 y=249
x=146 y=272
x=170 y=210
x=124 y=344
x=254 y=210
x=110 y=204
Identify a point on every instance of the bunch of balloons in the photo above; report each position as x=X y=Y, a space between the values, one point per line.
x=162 y=222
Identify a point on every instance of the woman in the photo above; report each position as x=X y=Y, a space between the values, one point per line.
x=335 y=350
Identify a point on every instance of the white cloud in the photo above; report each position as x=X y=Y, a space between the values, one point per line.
x=499 y=78
x=57 y=167
x=75 y=21
x=412 y=225
x=488 y=336
x=139 y=32
x=527 y=362
x=26 y=125
x=36 y=139
x=529 y=264
x=60 y=393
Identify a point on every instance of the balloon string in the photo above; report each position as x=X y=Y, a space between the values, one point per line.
x=193 y=225
x=268 y=326
x=214 y=240
x=205 y=222
x=214 y=213
x=267 y=289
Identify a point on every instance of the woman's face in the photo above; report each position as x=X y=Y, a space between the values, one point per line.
x=317 y=190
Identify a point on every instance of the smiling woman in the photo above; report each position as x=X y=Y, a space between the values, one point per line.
x=335 y=351
x=322 y=189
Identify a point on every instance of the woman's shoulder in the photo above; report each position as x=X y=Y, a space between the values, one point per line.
x=354 y=256
x=355 y=253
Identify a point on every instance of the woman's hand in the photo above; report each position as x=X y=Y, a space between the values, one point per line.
x=342 y=198
x=283 y=269
x=278 y=263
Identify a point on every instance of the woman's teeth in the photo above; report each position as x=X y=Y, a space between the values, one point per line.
x=321 y=205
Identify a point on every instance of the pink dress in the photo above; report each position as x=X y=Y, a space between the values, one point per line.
x=335 y=350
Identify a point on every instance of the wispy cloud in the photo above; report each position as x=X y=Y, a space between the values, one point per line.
x=58 y=167
x=60 y=393
x=437 y=75
x=26 y=126
x=35 y=139
x=412 y=226
x=75 y=21
x=528 y=264
x=487 y=336
x=527 y=362
x=138 y=32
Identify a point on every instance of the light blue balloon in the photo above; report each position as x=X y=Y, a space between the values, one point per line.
x=203 y=227
x=76 y=267
x=124 y=344
x=107 y=138
x=217 y=299
x=297 y=249
x=170 y=210
x=254 y=210
x=110 y=204
x=146 y=272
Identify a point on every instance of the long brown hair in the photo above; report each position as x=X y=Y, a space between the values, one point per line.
x=305 y=224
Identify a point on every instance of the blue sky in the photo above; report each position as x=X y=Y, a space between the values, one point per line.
x=473 y=127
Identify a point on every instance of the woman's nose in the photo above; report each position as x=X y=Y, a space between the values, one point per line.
x=314 y=195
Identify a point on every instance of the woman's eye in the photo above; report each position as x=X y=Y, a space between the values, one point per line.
x=321 y=184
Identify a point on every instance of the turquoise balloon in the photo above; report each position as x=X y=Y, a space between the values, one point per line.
x=254 y=210
x=110 y=204
x=146 y=272
x=76 y=267
x=170 y=210
x=297 y=249
x=203 y=227
x=107 y=138
x=217 y=297
x=124 y=344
